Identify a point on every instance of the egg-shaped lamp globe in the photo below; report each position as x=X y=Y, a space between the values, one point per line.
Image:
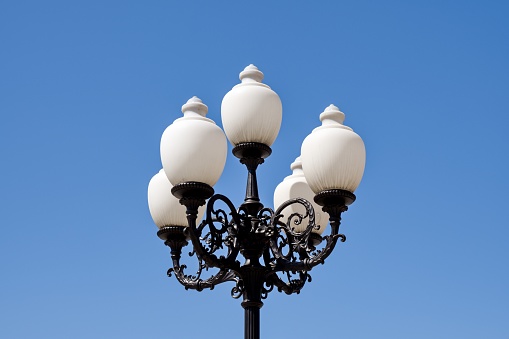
x=251 y=111
x=296 y=186
x=193 y=147
x=333 y=155
x=164 y=208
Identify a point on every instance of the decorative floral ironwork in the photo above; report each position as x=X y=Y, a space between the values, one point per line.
x=283 y=249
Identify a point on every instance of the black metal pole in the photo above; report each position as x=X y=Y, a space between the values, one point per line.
x=251 y=154
x=251 y=321
x=252 y=278
x=252 y=183
x=252 y=304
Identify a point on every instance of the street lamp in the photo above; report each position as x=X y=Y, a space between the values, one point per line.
x=279 y=246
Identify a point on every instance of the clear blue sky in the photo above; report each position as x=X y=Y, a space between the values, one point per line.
x=87 y=88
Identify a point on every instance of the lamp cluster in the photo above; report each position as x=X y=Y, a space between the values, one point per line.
x=279 y=246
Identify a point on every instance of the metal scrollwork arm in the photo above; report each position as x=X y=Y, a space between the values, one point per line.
x=176 y=238
x=195 y=283
x=207 y=238
x=299 y=243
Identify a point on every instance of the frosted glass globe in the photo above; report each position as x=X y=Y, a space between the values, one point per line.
x=164 y=208
x=251 y=111
x=193 y=148
x=333 y=155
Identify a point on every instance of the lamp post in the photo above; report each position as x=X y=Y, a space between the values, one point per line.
x=279 y=247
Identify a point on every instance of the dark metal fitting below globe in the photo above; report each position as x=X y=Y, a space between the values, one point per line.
x=171 y=232
x=315 y=239
x=334 y=197
x=251 y=150
x=192 y=190
x=174 y=236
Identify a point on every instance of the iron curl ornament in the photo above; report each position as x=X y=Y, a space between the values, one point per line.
x=257 y=248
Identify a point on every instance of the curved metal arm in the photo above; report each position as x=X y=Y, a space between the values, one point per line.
x=195 y=283
x=292 y=286
x=175 y=238
x=214 y=238
x=210 y=259
x=285 y=235
x=299 y=242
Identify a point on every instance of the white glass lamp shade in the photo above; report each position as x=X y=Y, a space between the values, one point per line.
x=251 y=111
x=193 y=148
x=333 y=155
x=296 y=186
x=164 y=208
